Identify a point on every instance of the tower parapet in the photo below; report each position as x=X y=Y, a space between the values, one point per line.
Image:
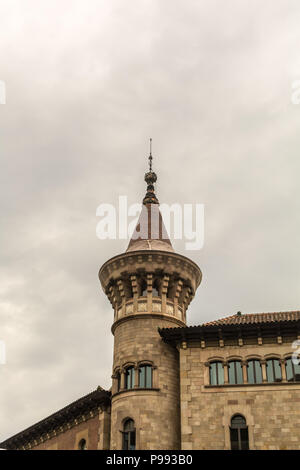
x=152 y=282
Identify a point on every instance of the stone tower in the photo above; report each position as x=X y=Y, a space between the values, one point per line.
x=150 y=287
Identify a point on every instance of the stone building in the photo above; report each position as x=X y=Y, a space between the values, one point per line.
x=229 y=384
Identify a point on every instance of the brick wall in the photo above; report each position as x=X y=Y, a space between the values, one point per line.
x=95 y=431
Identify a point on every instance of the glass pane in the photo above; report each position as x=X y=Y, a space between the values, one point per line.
x=234 y=439
x=258 y=372
x=231 y=373
x=130 y=378
x=213 y=373
x=125 y=441
x=289 y=370
x=142 y=377
x=132 y=440
x=277 y=368
x=297 y=372
x=239 y=373
x=148 y=376
x=250 y=370
x=270 y=373
x=220 y=374
x=244 y=439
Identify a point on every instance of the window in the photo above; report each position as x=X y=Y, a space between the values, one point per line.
x=145 y=376
x=273 y=370
x=155 y=292
x=254 y=372
x=216 y=373
x=118 y=377
x=128 y=435
x=235 y=372
x=129 y=377
x=144 y=289
x=292 y=371
x=155 y=289
x=239 y=433
x=82 y=445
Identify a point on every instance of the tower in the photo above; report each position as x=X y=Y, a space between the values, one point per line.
x=150 y=287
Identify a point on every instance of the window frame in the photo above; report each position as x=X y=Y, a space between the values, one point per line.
x=254 y=360
x=118 y=380
x=215 y=363
x=290 y=360
x=130 y=377
x=272 y=361
x=235 y=361
x=145 y=366
x=239 y=427
x=128 y=434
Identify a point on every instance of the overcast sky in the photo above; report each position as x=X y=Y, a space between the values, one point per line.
x=88 y=82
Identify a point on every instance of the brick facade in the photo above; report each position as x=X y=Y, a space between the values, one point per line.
x=69 y=440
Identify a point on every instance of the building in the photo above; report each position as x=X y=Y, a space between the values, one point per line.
x=228 y=384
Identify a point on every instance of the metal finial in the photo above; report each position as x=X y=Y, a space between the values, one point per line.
x=150 y=156
x=150 y=178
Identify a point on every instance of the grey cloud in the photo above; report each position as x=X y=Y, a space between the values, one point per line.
x=87 y=84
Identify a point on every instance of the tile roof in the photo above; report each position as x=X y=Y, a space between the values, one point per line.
x=84 y=404
x=250 y=318
x=234 y=324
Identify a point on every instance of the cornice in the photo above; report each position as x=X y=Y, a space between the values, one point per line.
x=137 y=316
x=158 y=260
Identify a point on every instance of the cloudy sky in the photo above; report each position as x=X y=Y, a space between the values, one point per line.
x=87 y=84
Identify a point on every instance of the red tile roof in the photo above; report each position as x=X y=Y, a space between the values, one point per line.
x=250 y=318
x=288 y=321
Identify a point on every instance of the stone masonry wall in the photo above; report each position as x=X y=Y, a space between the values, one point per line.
x=155 y=411
x=272 y=411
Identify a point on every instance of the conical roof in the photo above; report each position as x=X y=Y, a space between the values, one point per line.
x=150 y=232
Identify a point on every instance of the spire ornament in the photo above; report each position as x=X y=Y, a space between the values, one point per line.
x=150 y=178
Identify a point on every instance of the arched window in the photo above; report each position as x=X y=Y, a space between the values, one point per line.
x=273 y=370
x=254 y=372
x=129 y=377
x=216 y=373
x=239 y=433
x=292 y=371
x=145 y=376
x=235 y=372
x=128 y=435
x=82 y=445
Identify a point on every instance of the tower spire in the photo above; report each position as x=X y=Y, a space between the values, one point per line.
x=150 y=178
x=150 y=155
